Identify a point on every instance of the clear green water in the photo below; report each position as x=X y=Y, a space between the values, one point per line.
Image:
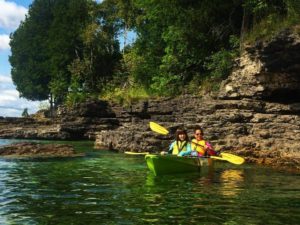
x=111 y=188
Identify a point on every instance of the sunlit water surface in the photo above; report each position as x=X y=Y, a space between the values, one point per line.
x=112 y=188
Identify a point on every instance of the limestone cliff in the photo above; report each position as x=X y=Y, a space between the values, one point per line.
x=256 y=113
x=267 y=70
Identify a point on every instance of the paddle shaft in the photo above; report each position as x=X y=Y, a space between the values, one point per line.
x=197 y=144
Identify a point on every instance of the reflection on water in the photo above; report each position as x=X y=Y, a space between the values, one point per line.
x=110 y=188
x=232 y=182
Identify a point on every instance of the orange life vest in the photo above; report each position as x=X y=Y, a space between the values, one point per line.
x=198 y=146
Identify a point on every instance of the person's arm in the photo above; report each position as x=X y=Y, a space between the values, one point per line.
x=170 y=150
x=209 y=149
x=171 y=147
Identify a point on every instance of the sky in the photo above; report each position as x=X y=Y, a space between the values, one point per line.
x=12 y=12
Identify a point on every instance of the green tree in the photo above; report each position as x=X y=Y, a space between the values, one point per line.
x=70 y=18
x=45 y=44
x=70 y=49
x=174 y=38
x=30 y=57
x=25 y=113
x=92 y=69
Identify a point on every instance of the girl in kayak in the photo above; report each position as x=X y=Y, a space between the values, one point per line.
x=199 y=146
x=181 y=146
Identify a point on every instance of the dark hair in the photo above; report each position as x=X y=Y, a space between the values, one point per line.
x=181 y=131
x=198 y=128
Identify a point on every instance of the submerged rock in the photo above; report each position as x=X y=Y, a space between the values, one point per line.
x=38 y=150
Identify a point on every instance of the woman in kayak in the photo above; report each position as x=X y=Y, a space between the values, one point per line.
x=199 y=146
x=181 y=146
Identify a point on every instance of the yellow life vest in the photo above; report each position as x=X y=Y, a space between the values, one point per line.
x=178 y=147
x=198 y=146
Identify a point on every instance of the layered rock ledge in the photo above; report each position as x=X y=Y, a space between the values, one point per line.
x=262 y=132
x=26 y=149
x=81 y=122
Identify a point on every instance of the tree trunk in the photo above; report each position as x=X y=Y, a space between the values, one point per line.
x=125 y=37
x=51 y=106
x=244 y=27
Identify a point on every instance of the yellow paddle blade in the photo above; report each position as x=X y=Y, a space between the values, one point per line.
x=136 y=153
x=233 y=158
x=158 y=128
x=219 y=158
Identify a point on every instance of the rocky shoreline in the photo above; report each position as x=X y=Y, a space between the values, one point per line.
x=37 y=150
x=256 y=113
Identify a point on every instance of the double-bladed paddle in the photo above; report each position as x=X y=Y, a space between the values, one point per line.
x=224 y=156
